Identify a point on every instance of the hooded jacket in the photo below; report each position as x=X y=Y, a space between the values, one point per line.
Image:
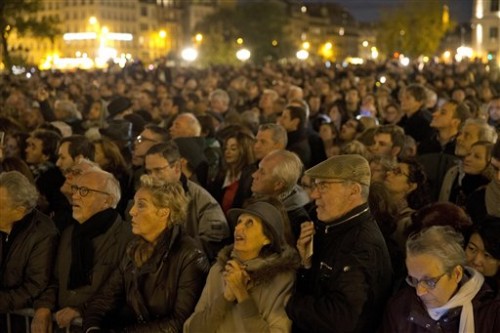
x=272 y=279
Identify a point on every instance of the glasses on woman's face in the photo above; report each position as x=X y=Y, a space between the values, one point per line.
x=398 y=172
x=428 y=283
x=84 y=191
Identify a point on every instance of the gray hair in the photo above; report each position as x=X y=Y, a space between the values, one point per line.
x=278 y=133
x=110 y=184
x=442 y=242
x=486 y=131
x=21 y=191
x=287 y=169
x=167 y=195
x=220 y=94
x=365 y=189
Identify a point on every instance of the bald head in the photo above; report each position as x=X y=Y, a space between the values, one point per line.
x=185 y=125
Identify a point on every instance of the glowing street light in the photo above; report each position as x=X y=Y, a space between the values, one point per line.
x=163 y=34
x=189 y=54
x=239 y=41
x=306 y=45
x=198 y=38
x=243 y=54
x=93 y=20
x=302 y=54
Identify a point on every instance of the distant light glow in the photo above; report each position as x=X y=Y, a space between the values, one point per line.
x=383 y=79
x=198 y=38
x=302 y=54
x=353 y=61
x=365 y=43
x=79 y=35
x=479 y=9
x=239 y=41
x=274 y=42
x=70 y=36
x=446 y=54
x=341 y=31
x=479 y=34
x=92 y=20
x=120 y=36
x=374 y=52
x=163 y=34
x=464 y=52
x=306 y=45
x=303 y=9
x=405 y=61
x=189 y=54
x=243 y=55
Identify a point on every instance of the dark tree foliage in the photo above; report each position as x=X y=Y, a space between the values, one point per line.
x=19 y=16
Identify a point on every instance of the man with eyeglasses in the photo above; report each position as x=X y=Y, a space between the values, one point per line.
x=205 y=220
x=443 y=295
x=346 y=273
x=88 y=252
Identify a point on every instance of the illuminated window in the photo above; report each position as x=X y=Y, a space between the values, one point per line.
x=495 y=5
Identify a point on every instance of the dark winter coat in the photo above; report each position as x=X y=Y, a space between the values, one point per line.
x=26 y=268
x=350 y=279
x=161 y=294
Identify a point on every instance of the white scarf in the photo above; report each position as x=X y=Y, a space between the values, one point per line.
x=462 y=298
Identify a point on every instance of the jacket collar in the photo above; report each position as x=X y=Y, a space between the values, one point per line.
x=354 y=217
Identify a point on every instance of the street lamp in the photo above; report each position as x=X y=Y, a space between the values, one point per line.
x=189 y=54
x=302 y=54
x=243 y=55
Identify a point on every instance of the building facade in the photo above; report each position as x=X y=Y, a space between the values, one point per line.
x=486 y=30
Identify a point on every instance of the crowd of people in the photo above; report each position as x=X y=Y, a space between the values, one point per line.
x=275 y=198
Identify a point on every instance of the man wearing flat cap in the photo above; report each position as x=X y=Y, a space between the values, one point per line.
x=346 y=274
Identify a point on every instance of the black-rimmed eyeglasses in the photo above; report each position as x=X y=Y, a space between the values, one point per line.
x=84 y=191
x=428 y=283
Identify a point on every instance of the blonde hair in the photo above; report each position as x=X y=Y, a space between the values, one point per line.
x=164 y=195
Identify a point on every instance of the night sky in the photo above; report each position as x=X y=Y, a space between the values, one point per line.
x=368 y=10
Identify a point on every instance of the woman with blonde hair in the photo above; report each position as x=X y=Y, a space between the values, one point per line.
x=164 y=271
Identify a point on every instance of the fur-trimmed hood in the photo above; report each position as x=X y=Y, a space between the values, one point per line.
x=263 y=270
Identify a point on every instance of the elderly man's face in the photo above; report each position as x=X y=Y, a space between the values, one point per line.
x=88 y=196
x=263 y=179
x=425 y=267
x=181 y=128
x=332 y=198
x=264 y=144
x=466 y=138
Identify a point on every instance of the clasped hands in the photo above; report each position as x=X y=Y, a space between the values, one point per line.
x=236 y=281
